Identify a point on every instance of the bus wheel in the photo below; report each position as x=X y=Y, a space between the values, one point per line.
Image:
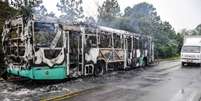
x=5 y=75
x=142 y=62
x=145 y=62
x=99 y=68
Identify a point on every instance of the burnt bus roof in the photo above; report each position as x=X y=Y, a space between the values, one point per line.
x=45 y=19
x=78 y=26
x=101 y=29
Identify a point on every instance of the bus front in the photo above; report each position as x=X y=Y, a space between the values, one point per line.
x=38 y=53
x=49 y=51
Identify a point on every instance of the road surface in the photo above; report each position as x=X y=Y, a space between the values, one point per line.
x=164 y=82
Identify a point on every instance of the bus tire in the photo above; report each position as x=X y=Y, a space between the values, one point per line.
x=145 y=62
x=99 y=68
x=5 y=75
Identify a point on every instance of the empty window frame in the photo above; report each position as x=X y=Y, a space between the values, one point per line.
x=117 y=41
x=91 y=41
x=105 y=40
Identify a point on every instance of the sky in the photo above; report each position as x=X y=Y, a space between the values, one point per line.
x=180 y=13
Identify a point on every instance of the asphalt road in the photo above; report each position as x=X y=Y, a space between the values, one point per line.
x=166 y=81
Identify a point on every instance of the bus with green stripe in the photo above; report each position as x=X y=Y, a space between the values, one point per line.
x=42 y=49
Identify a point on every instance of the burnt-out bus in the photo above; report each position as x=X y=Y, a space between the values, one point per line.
x=46 y=50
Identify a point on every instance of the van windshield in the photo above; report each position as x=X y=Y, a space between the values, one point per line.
x=191 y=49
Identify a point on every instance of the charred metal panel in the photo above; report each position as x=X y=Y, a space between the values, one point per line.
x=92 y=55
x=40 y=58
x=13 y=41
x=109 y=55
x=119 y=54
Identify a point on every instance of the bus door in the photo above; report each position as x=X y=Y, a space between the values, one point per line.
x=128 y=49
x=75 y=57
x=90 y=53
x=135 y=50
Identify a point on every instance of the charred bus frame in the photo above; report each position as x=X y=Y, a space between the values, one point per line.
x=46 y=50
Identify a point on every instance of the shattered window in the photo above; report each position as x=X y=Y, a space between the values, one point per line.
x=105 y=41
x=91 y=41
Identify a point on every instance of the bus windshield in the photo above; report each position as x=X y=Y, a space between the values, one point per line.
x=44 y=34
x=191 y=49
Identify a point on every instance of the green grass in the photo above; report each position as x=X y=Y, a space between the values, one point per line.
x=176 y=57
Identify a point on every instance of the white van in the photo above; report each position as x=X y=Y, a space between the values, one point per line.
x=190 y=53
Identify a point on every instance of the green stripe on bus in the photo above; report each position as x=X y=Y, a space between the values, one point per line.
x=41 y=73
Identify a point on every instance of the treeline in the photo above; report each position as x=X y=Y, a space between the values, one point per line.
x=186 y=32
x=140 y=18
x=196 y=31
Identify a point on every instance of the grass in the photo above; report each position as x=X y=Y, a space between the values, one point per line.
x=176 y=57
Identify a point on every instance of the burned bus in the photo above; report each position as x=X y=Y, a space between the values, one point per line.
x=47 y=50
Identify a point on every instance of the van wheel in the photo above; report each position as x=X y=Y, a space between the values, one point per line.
x=99 y=68
x=183 y=64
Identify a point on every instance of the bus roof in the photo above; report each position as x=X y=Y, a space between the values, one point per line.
x=104 y=29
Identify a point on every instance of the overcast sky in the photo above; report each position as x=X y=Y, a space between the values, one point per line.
x=180 y=13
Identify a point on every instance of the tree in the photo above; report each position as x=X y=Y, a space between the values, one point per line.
x=40 y=10
x=108 y=12
x=187 y=32
x=141 y=18
x=51 y=14
x=71 y=10
x=90 y=20
x=198 y=29
x=180 y=39
x=166 y=44
x=26 y=7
